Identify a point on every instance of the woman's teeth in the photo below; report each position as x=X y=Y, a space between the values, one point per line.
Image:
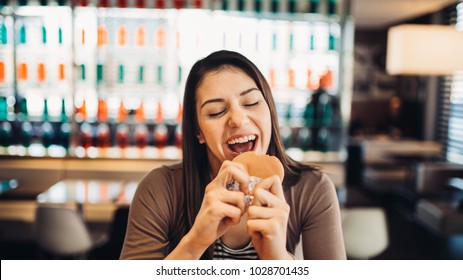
x=242 y=139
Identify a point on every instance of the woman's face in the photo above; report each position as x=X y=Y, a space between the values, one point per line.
x=233 y=116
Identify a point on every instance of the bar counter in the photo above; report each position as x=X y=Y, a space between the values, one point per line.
x=96 y=186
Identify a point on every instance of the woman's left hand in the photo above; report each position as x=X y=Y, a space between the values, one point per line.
x=268 y=219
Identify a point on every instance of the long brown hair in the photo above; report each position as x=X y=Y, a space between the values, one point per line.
x=195 y=161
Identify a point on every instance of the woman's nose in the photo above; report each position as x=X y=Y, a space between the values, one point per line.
x=238 y=118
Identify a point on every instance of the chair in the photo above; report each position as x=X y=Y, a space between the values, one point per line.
x=61 y=232
x=365 y=232
x=439 y=190
x=111 y=250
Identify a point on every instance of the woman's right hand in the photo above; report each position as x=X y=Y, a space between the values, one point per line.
x=219 y=210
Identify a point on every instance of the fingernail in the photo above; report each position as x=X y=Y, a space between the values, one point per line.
x=233 y=186
x=247 y=200
x=253 y=181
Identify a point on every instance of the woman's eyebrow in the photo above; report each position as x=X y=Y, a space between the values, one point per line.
x=223 y=100
x=212 y=101
x=248 y=91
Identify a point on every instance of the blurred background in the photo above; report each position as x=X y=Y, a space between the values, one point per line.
x=91 y=99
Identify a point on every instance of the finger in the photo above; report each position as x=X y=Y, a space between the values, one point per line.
x=271 y=184
x=233 y=198
x=259 y=212
x=232 y=213
x=257 y=228
x=265 y=198
x=230 y=172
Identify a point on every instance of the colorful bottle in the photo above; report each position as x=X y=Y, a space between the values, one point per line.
x=140 y=4
x=160 y=4
x=274 y=6
x=64 y=136
x=27 y=134
x=48 y=134
x=121 y=3
x=161 y=136
x=102 y=114
x=332 y=7
x=6 y=134
x=178 y=136
x=198 y=4
x=122 y=136
x=3 y=108
x=86 y=135
x=3 y=34
x=314 y=6
x=103 y=137
x=179 y=4
x=304 y=139
x=141 y=136
x=292 y=6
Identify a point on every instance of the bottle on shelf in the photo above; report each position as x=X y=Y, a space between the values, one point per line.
x=140 y=4
x=178 y=136
x=160 y=136
x=6 y=134
x=140 y=113
x=103 y=135
x=178 y=4
x=122 y=135
x=121 y=4
x=80 y=111
x=292 y=6
x=27 y=134
x=21 y=109
x=160 y=4
x=332 y=7
x=304 y=138
x=274 y=6
x=286 y=136
x=121 y=113
x=198 y=4
x=103 y=4
x=86 y=135
x=47 y=134
x=64 y=135
x=141 y=136
x=102 y=114
x=3 y=108
x=322 y=140
x=314 y=6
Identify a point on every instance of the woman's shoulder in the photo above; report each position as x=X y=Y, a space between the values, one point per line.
x=165 y=170
x=313 y=193
x=312 y=181
x=313 y=176
x=164 y=178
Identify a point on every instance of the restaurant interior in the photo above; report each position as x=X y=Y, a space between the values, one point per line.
x=370 y=91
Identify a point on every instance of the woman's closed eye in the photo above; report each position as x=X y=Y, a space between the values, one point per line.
x=251 y=104
x=217 y=114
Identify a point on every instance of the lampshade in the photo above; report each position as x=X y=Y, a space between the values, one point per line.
x=414 y=49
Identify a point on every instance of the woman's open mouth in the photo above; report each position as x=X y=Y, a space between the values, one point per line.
x=242 y=144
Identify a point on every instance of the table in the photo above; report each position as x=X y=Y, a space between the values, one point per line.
x=89 y=191
x=95 y=199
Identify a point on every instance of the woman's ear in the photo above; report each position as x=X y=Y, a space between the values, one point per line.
x=200 y=138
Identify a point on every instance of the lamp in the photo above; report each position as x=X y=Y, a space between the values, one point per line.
x=414 y=49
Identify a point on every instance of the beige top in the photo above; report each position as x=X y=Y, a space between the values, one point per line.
x=156 y=221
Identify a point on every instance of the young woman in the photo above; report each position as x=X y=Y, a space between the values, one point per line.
x=184 y=211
